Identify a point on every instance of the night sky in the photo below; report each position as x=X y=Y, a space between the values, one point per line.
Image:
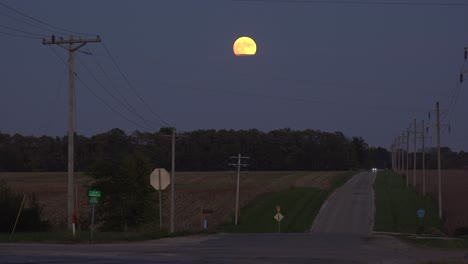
x=365 y=70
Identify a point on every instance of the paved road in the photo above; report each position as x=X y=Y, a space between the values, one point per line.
x=230 y=248
x=328 y=243
x=350 y=209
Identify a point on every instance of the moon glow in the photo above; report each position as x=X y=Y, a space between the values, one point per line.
x=244 y=46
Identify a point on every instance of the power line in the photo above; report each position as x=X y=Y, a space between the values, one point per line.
x=133 y=88
x=96 y=61
x=356 y=2
x=43 y=22
x=98 y=97
x=109 y=93
x=17 y=35
x=30 y=24
x=22 y=31
x=109 y=106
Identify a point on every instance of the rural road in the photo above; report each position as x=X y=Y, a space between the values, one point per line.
x=339 y=236
x=350 y=209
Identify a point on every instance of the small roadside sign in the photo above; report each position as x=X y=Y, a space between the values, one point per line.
x=94 y=193
x=278 y=217
x=421 y=213
x=93 y=200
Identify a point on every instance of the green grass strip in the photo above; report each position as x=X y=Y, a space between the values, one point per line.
x=299 y=206
x=397 y=205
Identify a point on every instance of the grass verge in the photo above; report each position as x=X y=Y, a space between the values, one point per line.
x=396 y=207
x=299 y=206
x=459 y=243
x=84 y=237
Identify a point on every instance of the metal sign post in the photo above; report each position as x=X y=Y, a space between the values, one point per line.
x=278 y=217
x=92 y=223
x=160 y=201
x=94 y=196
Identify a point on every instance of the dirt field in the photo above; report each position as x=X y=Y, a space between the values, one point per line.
x=194 y=190
x=454 y=195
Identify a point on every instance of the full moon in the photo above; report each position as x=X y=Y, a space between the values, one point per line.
x=244 y=46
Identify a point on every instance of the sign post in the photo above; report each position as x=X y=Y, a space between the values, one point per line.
x=421 y=214
x=160 y=179
x=278 y=217
x=94 y=196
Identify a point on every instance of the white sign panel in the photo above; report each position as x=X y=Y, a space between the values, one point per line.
x=279 y=217
x=165 y=178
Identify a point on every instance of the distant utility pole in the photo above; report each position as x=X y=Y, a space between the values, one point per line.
x=402 y=153
x=239 y=164
x=173 y=178
x=414 y=152
x=423 y=137
x=407 y=154
x=68 y=44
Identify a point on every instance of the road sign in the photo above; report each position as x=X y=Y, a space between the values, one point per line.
x=165 y=178
x=94 y=193
x=93 y=200
x=278 y=217
x=421 y=213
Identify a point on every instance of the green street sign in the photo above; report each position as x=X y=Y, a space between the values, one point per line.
x=93 y=200
x=94 y=193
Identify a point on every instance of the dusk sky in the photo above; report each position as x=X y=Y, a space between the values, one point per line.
x=364 y=70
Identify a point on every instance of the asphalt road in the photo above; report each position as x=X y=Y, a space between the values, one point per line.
x=350 y=209
x=328 y=243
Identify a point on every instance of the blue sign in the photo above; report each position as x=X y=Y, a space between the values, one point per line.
x=421 y=213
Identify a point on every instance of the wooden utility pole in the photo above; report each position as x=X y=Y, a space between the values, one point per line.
x=239 y=164
x=423 y=135
x=438 y=159
x=407 y=155
x=71 y=45
x=414 y=153
x=173 y=178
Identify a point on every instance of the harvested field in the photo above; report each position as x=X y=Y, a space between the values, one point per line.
x=50 y=189
x=454 y=195
x=194 y=190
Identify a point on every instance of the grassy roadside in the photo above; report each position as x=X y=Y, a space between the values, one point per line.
x=298 y=205
x=396 y=207
x=84 y=237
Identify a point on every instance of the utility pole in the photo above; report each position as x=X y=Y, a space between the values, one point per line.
x=438 y=159
x=423 y=137
x=71 y=45
x=173 y=178
x=402 y=153
x=414 y=154
x=407 y=155
x=239 y=164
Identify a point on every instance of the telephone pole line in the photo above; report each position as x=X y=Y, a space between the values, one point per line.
x=71 y=45
x=239 y=164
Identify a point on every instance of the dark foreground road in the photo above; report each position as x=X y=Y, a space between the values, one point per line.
x=340 y=235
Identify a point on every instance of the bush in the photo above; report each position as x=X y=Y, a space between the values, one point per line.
x=30 y=218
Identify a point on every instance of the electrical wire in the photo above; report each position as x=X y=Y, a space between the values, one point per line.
x=99 y=98
x=17 y=35
x=22 y=31
x=133 y=88
x=110 y=107
x=30 y=24
x=96 y=61
x=43 y=22
x=112 y=95
x=401 y=3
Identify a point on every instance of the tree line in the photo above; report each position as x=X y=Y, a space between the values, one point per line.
x=208 y=150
